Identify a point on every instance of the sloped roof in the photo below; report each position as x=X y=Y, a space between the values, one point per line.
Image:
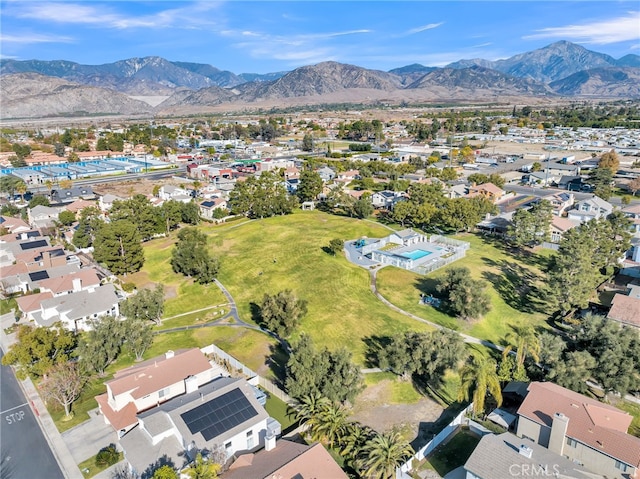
x=158 y=373
x=563 y=224
x=625 y=309
x=498 y=456
x=600 y=426
x=31 y=302
x=121 y=419
x=287 y=460
x=87 y=276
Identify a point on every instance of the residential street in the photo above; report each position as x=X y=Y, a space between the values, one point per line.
x=25 y=451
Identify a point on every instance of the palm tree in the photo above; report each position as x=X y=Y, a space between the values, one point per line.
x=330 y=425
x=203 y=468
x=309 y=408
x=383 y=454
x=480 y=375
x=49 y=185
x=353 y=441
x=526 y=342
x=21 y=189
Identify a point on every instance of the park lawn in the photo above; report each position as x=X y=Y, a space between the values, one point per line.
x=182 y=294
x=250 y=347
x=286 y=252
x=487 y=261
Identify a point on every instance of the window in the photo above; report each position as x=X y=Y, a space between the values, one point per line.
x=250 y=440
x=163 y=392
x=227 y=448
x=621 y=466
x=572 y=442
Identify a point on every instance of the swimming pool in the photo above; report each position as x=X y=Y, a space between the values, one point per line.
x=415 y=254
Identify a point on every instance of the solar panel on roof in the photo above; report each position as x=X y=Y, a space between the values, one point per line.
x=219 y=415
x=38 y=275
x=34 y=244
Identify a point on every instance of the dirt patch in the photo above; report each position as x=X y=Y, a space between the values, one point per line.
x=374 y=409
x=170 y=292
x=128 y=188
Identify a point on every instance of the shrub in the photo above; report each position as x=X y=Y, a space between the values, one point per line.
x=107 y=456
x=128 y=287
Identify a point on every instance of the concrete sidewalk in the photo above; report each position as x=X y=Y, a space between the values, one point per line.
x=54 y=438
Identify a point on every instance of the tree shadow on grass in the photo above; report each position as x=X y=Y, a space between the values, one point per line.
x=426 y=285
x=374 y=344
x=516 y=285
x=256 y=313
x=277 y=363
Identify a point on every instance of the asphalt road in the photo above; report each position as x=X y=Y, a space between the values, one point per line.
x=24 y=450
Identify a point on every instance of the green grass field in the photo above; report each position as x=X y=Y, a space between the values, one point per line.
x=452 y=454
x=286 y=252
x=512 y=287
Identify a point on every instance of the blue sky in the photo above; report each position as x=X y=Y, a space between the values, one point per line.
x=266 y=36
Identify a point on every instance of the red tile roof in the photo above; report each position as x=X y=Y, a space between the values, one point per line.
x=118 y=419
x=31 y=302
x=600 y=426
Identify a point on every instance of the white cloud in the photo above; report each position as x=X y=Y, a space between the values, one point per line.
x=26 y=39
x=601 y=32
x=423 y=28
x=189 y=16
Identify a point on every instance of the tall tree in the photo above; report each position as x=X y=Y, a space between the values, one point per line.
x=261 y=197
x=39 y=349
x=282 y=312
x=601 y=179
x=363 y=207
x=465 y=296
x=531 y=227
x=310 y=185
x=383 y=454
x=479 y=375
x=138 y=336
x=146 y=305
x=117 y=246
x=330 y=425
x=139 y=211
x=610 y=160
x=101 y=345
x=63 y=384
x=191 y=256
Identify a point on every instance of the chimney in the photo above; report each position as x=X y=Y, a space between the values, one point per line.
x=190 y=384
x=77 y=284
x=169 y=354
x=558 y=433
x=525 y=451
x=270 y=440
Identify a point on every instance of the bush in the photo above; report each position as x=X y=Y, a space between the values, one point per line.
x=128 y=287
x=107 y=456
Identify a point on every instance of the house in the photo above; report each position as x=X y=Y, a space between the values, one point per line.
x=81 y=280
x=69 y=195
x=570 y=182
x=170 y=192
x=13 y=225
x=633 y=213
x=625 y=308
x=42 y=216
x=486 y=190
x=386 y=199
x=292 y=185
x=105 y=202
x=12 y=250
x=560 y=202
x=222 y=415
x=209 y=206
x=584 y=430
x=540 y=178
x=19 y=278
x=349 y=175
x=589 y=209
x=77 y=308
x=285 y=459
x=457 y=191
x=79 y=205
x=559 y=226
x=406 y=237
x=327 y=174
x=506 y=455
x=147 y=384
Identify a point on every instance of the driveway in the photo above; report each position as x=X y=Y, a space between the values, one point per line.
x=86 y=439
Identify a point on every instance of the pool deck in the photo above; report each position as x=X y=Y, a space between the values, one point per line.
x=436 y=250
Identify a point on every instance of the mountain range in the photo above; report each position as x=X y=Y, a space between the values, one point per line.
x=35 y=88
